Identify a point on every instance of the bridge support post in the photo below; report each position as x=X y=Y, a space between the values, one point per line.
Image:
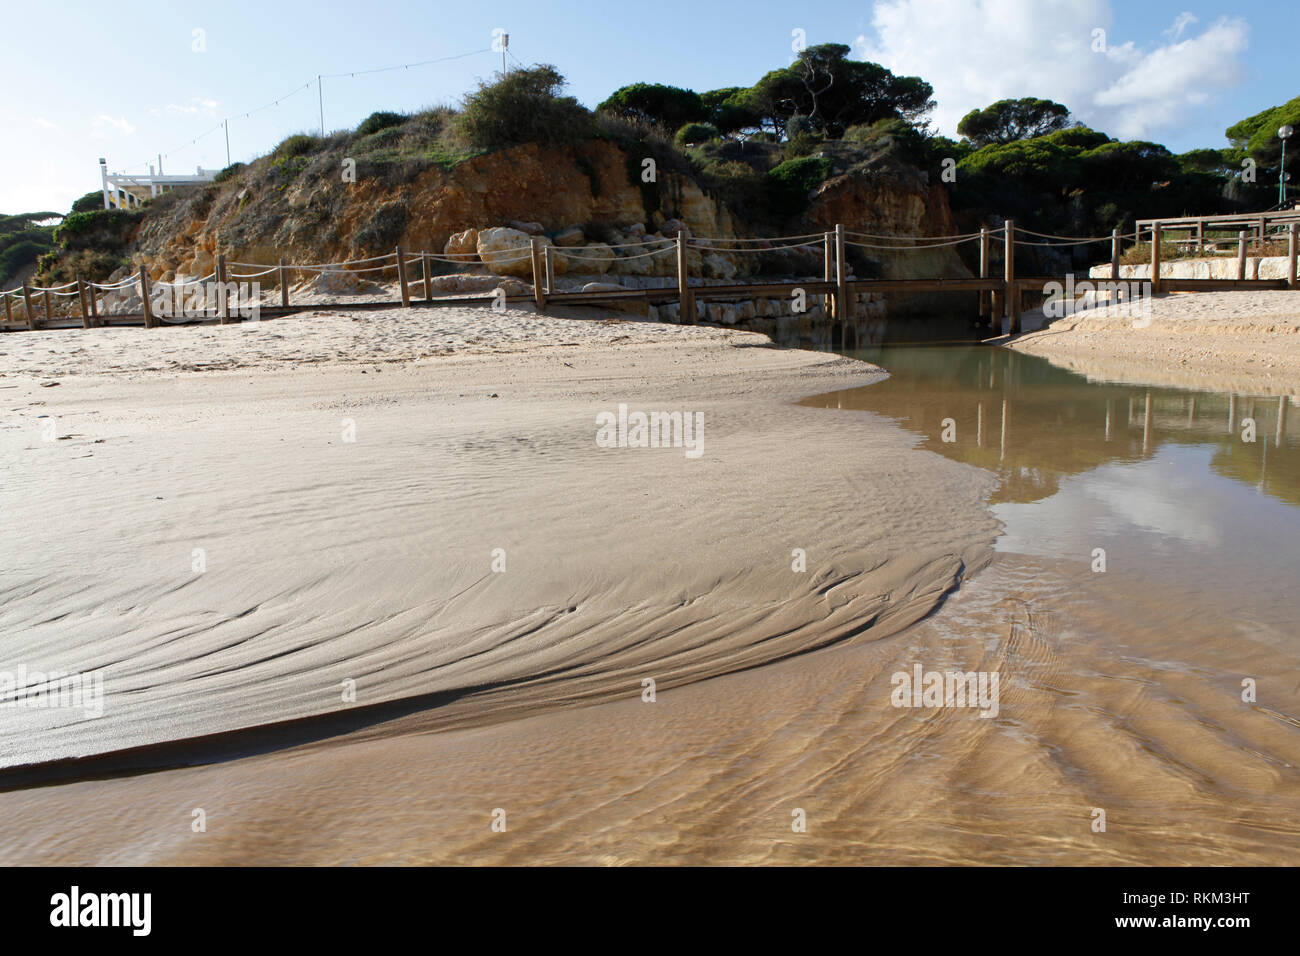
x=685 y=298
x=1241 y=255
x=147 y=309
x=27 y=305
x=985 y=296
x=402 y=286
x=81 y=298
x=284 y=285
x=843 y=305
x=1010 y=291
x=1291 y=280
x=1155 y=257
x=223 y=299
x=539 y=293
x=828 y=272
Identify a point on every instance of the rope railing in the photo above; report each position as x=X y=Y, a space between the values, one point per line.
x=543 y=254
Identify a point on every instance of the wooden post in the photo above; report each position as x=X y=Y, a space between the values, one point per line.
x=1263 y=228
x=223 y=306
x=1155 y=258
x=49 y=309
x=9 y=309
x=402 y=287
x=284 y=286
x=81 y=297
x=1291 y=281
x=1241 y=255
x=1010 y=293
x=427 y=265
x=94 y=306
x=1114 y=255
x=686 y=301
x=27 y=305
x=548 y=251
x=1200 y=237
x=985 y=298
x=828 y=271
x=144 y=296
x=843 y=307
x=539 y=292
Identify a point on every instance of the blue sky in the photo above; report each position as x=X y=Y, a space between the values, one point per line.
x=125 y=81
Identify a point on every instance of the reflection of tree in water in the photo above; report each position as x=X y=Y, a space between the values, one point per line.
x=1031 y=422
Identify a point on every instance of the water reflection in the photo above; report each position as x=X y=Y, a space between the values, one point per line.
x=1034 y=424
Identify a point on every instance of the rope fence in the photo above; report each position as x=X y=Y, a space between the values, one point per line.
x=995 y=294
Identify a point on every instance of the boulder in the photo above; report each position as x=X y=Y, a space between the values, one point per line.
x=573 y=236
x=505 y=251
x=603 y=287
x=718 y=267
x=672 y=227
x=463 y=244
x=471 y=285
x=596 y=257
x=337 y=282
x=529 y=228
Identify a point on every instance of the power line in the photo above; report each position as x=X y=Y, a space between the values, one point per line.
x=305 y=86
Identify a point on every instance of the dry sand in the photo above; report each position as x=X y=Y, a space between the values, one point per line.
x=1240 y=341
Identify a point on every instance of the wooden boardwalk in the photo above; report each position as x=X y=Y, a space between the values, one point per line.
x=998 y=295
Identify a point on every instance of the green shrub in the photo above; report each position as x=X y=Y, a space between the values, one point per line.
x=298 y=144
x=696 y=133
x=89 y=202
x=794 y=179
x=524 y=106
x=18 y=257
x=101 y=229
x=380 y=120
x=228 y=173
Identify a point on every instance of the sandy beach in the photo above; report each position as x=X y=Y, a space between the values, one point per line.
x=356 y=583
x=1225 y=341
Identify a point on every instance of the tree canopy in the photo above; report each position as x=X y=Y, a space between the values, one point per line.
x=1009 y=120
x=669 y=106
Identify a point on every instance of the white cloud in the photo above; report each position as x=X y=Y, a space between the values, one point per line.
x=43 y=123
x=975 y=52
x=1181 y=23
x=117 y=122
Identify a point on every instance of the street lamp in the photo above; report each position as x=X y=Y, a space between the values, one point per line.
x=1283 y=133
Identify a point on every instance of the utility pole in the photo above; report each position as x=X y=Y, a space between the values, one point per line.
x=505 y=45
x=226 y=124
x=321 y=95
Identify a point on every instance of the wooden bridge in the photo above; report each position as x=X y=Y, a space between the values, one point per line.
x=998 y=295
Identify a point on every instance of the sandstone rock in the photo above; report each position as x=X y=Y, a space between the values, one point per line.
x=472 y=285
x=635 y=231
x=505 y=251
x=573 y=236
x=463 y=244
x=718 y=267
x=596 y=257
x=530 y=228
x=337 y=282
x=602 y=287
x=671 y=227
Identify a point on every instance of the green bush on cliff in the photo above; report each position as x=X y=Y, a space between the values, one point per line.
x=693 y=133
x=524 y=106
x=101 y=229
x=379 y=120
x=793 y=180
x=298 y=144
